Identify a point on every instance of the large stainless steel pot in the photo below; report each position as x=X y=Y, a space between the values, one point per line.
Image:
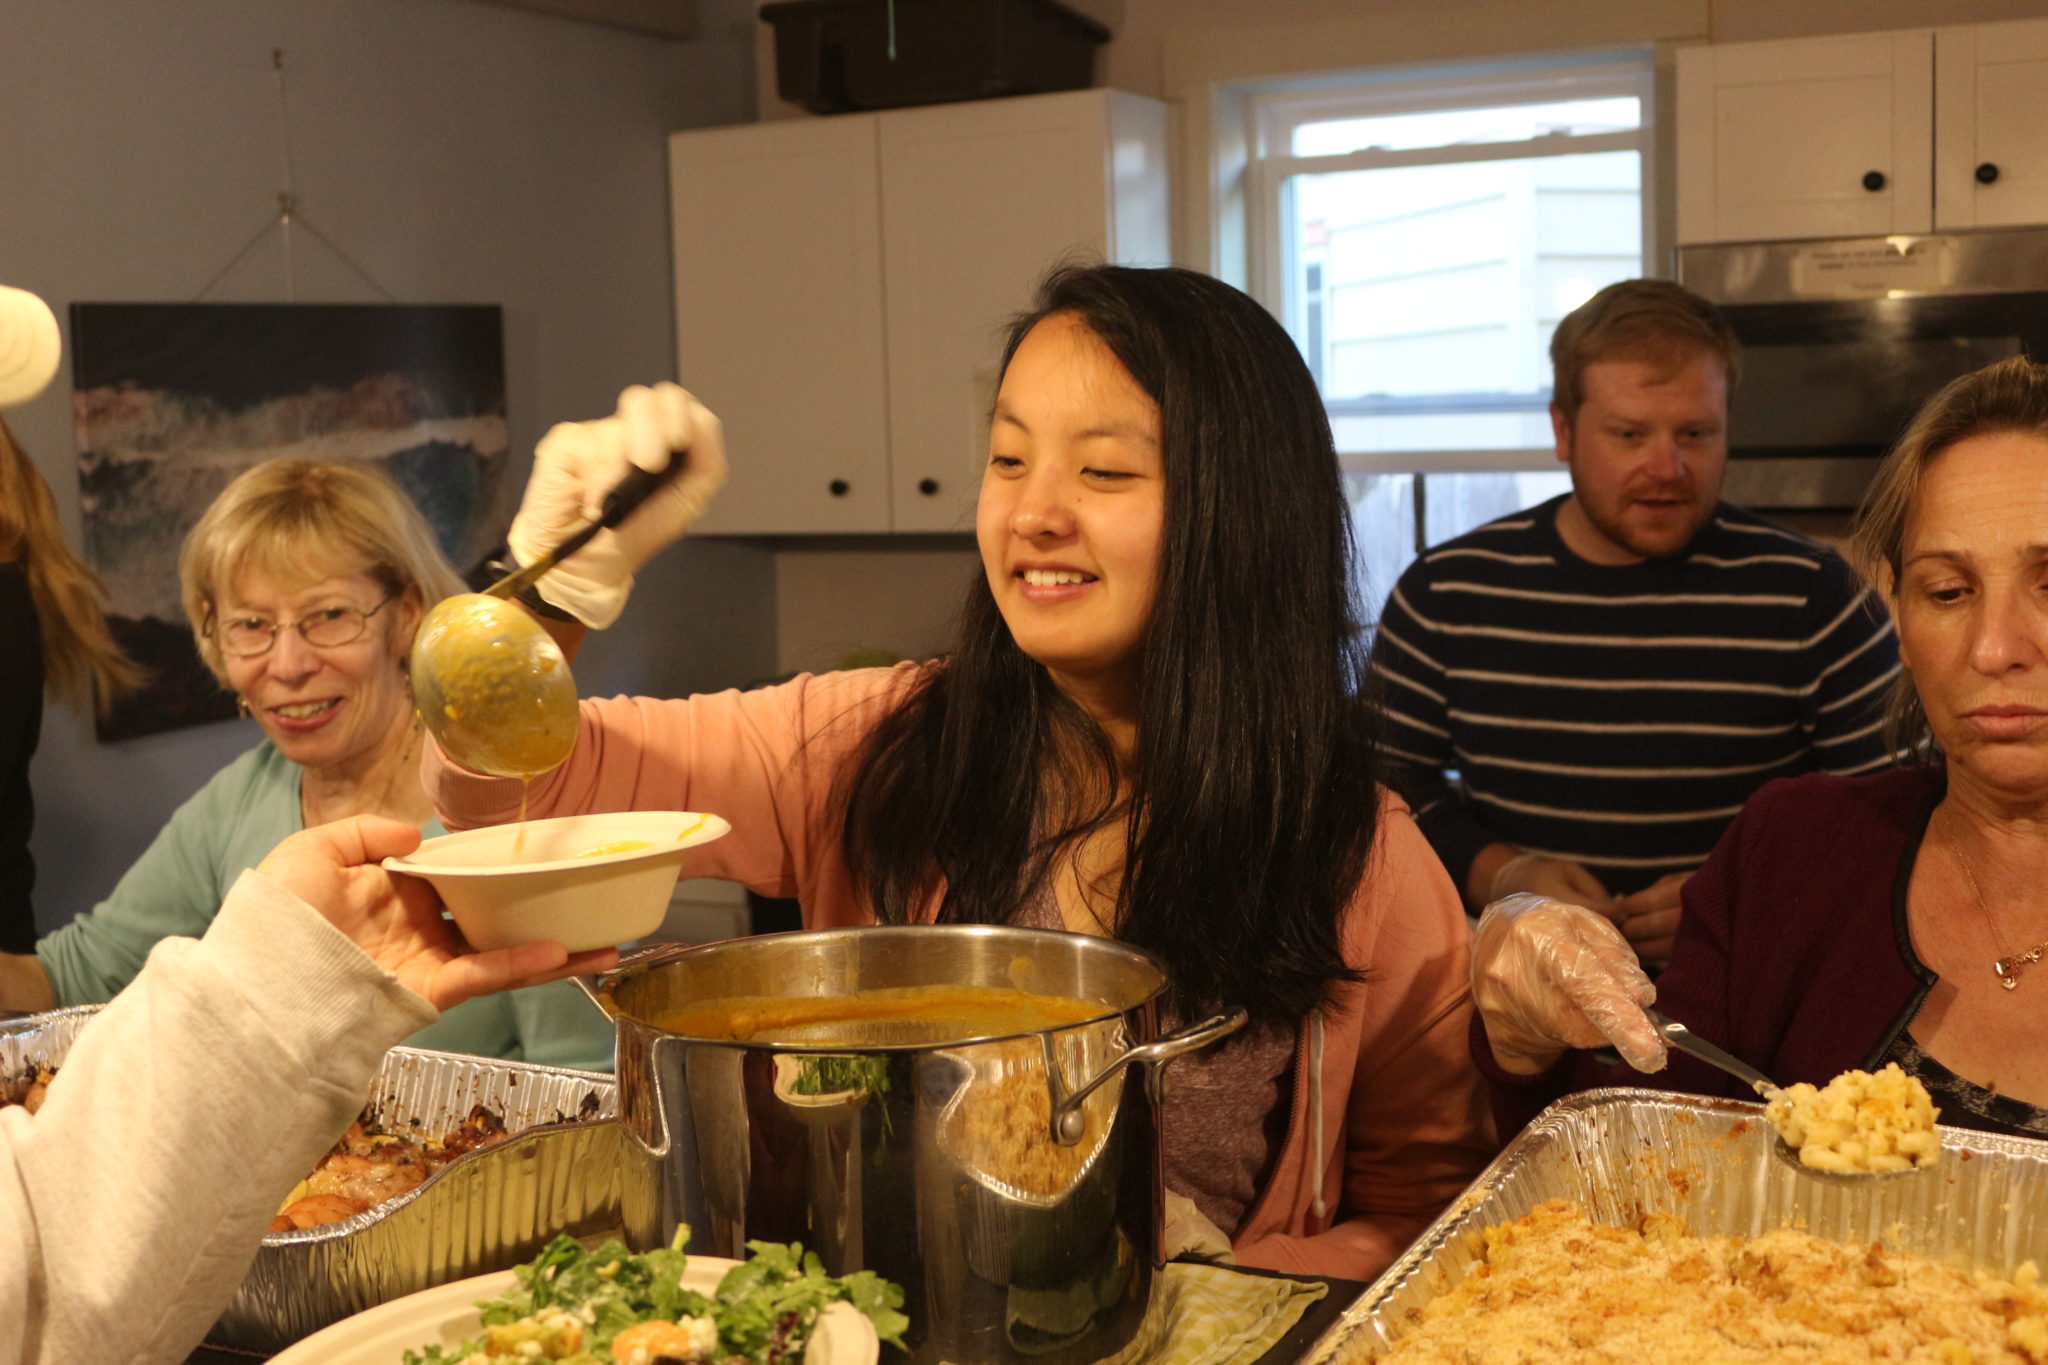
x=1010 y=1185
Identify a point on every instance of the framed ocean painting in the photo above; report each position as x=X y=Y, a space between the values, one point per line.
x=171 y=401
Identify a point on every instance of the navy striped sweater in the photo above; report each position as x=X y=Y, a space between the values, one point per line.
x=1619 y=716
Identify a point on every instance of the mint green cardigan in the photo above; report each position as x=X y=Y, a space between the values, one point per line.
x=177 y=885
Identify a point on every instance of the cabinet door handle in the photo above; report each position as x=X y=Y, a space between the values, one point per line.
x=1873 y=181
x=928 y=486
x=839 y=488
x=1987 y=173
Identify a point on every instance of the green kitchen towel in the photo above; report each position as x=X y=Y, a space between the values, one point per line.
x=1213 y=1315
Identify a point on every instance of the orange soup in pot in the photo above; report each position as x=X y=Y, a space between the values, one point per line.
x=921 y=1014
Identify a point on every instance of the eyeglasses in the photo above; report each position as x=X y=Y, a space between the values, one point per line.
x=245 y=637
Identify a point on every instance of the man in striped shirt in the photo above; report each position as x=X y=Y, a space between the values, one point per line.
x=1611 y=674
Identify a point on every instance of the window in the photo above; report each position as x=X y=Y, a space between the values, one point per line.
x=1421 y=237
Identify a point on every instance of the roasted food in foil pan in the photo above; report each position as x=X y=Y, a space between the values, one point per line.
x=560 y=1171
x=27 y=1089
x=372 y=1163
x=1658 y=1164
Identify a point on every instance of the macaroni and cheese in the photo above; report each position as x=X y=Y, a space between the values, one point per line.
x=1555 y=1287
x=1859 y=1121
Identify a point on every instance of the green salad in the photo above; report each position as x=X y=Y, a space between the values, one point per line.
x=598 y=1307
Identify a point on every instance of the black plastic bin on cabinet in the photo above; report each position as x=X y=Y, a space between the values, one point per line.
x=833 y=56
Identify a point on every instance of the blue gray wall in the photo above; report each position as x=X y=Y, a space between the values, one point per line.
x=458 y=153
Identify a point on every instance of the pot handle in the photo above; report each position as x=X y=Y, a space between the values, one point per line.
x=1069 y=1123
x=594 y=988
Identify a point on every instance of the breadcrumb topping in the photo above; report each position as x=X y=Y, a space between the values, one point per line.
x=1557 y=1287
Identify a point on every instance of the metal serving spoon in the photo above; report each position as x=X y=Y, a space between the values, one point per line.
x=1686 y=1041
x=492 y=686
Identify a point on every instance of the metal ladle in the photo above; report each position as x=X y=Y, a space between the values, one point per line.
x=1686 y=1041
x=489 y=683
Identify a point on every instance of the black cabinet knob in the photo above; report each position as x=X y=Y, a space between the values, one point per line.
x=1873 y=181
x=839 y=488
x=927 y=486
x=1987 y=173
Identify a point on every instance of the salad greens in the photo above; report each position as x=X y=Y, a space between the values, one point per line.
x=831 y=1073
x=574 y=1302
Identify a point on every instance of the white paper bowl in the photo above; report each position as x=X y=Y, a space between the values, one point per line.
x=503 y=892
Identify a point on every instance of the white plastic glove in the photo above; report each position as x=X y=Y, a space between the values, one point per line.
x=577 y=463
x=1547 y=976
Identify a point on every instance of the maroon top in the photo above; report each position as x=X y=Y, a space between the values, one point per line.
x=1793 y=951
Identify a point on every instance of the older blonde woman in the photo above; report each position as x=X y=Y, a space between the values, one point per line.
x=1848 y=922
x=303 y=583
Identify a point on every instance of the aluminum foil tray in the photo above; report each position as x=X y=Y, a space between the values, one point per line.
x=483 y=1211
x=30 y=1039
x=1622 y=1154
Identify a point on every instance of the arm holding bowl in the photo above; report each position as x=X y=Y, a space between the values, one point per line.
x=132 y=1203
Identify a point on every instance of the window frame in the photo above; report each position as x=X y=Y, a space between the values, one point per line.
x=1272 y=115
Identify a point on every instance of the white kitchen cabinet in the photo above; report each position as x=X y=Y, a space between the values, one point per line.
x=1991 y=124
x=842 y=283
x=1865 y=134
x=778 y=281
x=1806 y=137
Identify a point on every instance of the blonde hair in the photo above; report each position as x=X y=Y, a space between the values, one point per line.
x=83 y=663
x=2008 y=396
x=303 y=520
x=1654 y=321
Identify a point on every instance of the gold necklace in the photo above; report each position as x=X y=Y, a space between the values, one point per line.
x=2007 y=968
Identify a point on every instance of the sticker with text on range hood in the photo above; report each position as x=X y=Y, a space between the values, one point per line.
x=1858 y=270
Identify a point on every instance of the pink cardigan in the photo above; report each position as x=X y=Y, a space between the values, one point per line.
x=1389 y=1118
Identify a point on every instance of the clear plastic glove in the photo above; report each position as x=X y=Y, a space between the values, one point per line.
x=577 y=463
x=1547 y=976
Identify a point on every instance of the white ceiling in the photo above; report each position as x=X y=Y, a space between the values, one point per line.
x=679 y=18
x=664 y=18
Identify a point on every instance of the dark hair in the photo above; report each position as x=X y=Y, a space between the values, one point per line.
x=1251 y=796
x=82 y=660
x=1654 y=321
x=2009 y=396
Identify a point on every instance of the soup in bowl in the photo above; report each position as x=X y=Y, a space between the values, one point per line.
x=588 y=881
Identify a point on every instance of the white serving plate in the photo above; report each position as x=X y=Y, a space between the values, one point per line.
x=447 y=1315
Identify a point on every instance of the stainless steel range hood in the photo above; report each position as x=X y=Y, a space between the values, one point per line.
x=1844 y=339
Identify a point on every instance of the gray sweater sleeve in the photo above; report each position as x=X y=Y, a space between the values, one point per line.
x=133 y=1203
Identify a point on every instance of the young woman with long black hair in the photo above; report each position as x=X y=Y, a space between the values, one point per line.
x=1152 y=727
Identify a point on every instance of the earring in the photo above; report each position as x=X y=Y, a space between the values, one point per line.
x=242 y=705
